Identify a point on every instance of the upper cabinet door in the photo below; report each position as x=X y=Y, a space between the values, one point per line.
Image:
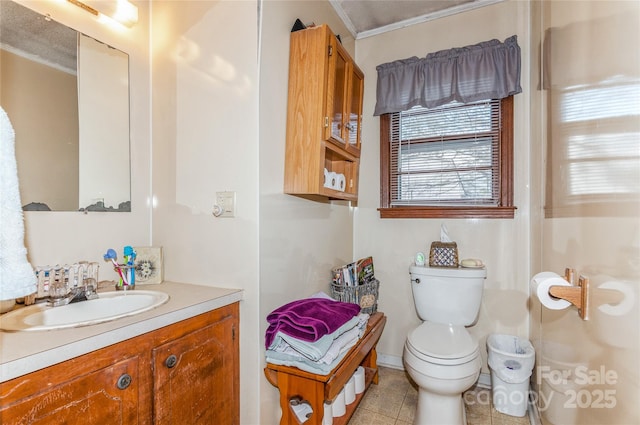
x=354 y=111
x=337 y=85
x=345 y=85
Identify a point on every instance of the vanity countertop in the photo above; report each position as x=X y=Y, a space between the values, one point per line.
x=26 y=352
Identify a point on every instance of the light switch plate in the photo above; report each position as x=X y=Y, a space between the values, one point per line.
x=227 y=200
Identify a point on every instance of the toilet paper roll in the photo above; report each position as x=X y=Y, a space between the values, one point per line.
x=327 y=178
x=327 y=419
x=540 y=285
x=544 y=275
x=302 y=411
x=340 y=182
x=332 y=181
x=350 y=390
x=339 y=406
x=359 y=378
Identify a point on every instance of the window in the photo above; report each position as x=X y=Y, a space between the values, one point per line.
x=453 y=161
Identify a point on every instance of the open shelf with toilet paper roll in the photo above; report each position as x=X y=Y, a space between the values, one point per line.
x=344 y=168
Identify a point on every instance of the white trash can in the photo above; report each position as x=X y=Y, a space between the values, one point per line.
x=511 y=361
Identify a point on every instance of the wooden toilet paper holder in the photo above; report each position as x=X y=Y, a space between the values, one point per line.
x=577 y=295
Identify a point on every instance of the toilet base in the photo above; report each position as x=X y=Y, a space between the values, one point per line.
x=440 y=399
x=440 y=409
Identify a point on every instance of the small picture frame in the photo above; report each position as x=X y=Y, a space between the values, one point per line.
x=148 y=264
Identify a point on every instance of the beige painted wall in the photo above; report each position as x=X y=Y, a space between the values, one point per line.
x=588 y=371
x=205 y=140
x=300 y=240
x=502 y=244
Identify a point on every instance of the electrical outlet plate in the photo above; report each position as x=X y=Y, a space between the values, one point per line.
x=227 y=200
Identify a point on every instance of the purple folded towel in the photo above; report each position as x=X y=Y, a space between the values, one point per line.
x=309 y=319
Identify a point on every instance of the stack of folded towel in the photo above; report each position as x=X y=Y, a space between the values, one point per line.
x=313 y=334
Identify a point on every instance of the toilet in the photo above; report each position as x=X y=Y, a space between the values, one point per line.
x=440 y=355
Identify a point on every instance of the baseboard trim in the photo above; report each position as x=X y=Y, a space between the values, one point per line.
x=534 y=414
x=484 y=381
x=393 y=362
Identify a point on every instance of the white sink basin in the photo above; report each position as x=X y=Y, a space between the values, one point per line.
x=110 y=306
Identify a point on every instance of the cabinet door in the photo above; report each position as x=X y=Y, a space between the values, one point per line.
x=105 y=396
x=337 y=81
x=194 y=377
x=354 y=110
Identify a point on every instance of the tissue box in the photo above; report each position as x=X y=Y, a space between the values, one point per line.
x=443 y=254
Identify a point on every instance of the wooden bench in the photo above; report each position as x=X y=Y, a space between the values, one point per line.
x=318 y=389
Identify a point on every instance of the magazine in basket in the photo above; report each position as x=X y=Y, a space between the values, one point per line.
x=356 y=283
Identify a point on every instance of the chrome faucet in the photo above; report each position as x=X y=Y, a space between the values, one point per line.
x=60 y=294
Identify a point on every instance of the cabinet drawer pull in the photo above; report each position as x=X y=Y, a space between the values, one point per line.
x=171 y=361
x=124 y=381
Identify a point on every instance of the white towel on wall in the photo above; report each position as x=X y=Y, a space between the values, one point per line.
x=17 y=278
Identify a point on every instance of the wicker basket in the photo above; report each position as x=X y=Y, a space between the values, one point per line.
x=443 y=254
x=365 y=295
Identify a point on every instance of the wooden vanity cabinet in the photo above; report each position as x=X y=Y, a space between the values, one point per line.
x=185 y=373
x=84 y=394
x=324 y=115
x=196 y=376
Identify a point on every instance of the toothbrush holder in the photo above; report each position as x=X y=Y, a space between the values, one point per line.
x=129 y=273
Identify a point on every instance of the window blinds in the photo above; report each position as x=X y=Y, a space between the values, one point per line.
x=447 y=155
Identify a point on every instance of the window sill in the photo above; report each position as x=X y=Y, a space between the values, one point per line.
x=447 y=212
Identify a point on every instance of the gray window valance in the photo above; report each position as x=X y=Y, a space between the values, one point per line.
x=487 y=70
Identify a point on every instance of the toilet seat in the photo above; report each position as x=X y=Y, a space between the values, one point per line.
x=442 y=344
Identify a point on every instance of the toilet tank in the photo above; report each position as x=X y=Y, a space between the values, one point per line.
x=447 y=295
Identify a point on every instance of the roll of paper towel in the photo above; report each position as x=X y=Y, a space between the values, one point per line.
x=540 y=285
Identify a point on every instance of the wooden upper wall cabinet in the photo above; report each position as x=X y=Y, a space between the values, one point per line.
x=324 y=116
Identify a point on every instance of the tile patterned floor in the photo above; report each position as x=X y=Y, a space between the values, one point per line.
x=393 y=402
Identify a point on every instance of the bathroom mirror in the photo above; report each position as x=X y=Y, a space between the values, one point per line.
x=67 y=96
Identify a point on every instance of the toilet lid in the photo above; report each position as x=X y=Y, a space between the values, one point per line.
x=441 y=341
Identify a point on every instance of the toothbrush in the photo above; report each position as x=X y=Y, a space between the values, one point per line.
x=112 y=255
x=130 y=257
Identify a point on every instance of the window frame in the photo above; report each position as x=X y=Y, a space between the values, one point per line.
x=505 y=208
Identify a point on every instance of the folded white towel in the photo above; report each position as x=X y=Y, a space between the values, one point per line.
x=17 y=278
x=347 y=340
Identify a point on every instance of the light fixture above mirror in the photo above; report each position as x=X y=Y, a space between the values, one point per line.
x=122 y=11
